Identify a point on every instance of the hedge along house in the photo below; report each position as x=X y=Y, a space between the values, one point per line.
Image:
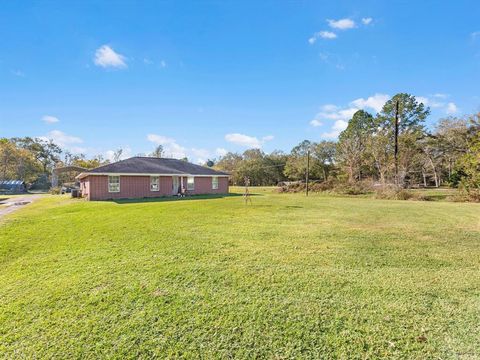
x=143 y=177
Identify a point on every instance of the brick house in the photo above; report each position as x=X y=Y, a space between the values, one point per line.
x=143 y=177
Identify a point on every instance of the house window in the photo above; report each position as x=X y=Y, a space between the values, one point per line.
x=190 y=183
x=114 y=184
x=215 y=183
x=154 y=183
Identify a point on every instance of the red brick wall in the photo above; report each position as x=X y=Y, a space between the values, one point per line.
x=203 y=185
x=96 y=187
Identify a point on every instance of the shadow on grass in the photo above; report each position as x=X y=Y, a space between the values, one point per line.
x=175 y=198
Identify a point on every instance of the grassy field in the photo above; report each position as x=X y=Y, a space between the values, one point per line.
x=284 y=277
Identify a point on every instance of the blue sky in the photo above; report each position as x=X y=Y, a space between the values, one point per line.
x=202 y=78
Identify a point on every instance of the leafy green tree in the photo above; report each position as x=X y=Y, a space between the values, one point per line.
x=254 y=167
x=411 y=116
x=324 y=154
x=468 y=165
x=92 y=163
x=470 y=168
x=352 y=144
x=46 y=152
x=17 y=162
x=296 y=166
x=230 y=163
x=275 y=164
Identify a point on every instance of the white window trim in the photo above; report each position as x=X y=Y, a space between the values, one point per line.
x=215 y=183
x=109 y=189
x=157 y=183
x=193 y=184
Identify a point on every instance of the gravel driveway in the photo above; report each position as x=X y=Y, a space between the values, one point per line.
x=11 y=204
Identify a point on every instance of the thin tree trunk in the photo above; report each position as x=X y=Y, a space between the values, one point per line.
x=434 y=172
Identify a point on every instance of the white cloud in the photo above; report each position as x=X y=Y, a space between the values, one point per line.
x=64 y=141
x=451 y=108
x=341 y=116
x=329 y=107
x=147 y=61
x=201 y=153
x=163 y=64
x=243 y=140
x=327 y=35
x=475 y=35
x=367 y=21
x=337 y=128
x=170 y=146
x=333 y=112
x=109 y=155
x=374 y=102
x=221 y=151
x=105 y=57
x=341 y=24
x=50 y=119
x=433 y=102
x=247 y=141
x=323 y=35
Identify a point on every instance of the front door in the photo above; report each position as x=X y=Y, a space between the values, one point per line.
x=175 y=185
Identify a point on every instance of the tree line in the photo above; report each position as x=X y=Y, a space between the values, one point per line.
x=393 y=147
x=33 y=160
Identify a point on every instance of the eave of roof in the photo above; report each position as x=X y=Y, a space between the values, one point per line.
x=148 y=166
x=85 y=174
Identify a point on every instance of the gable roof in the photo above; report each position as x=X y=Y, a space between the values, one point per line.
x=138 y=165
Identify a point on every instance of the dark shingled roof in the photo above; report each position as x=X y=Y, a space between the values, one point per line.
x=151 y=165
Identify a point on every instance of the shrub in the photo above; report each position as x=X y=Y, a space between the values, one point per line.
x=357 y=188
x=467 y=194
x=55 y=190
x=331 y=185
x=393 y=192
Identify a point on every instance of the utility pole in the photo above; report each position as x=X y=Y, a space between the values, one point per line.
x=396 y=142
x=308 y=170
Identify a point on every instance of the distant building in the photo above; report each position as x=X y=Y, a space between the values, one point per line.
x=13 y=187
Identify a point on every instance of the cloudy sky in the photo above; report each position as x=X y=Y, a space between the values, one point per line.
x=203 y=78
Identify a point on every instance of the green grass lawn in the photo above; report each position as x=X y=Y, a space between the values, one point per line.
x=286 y=277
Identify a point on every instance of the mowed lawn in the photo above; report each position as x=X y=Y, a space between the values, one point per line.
x=285 y=277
